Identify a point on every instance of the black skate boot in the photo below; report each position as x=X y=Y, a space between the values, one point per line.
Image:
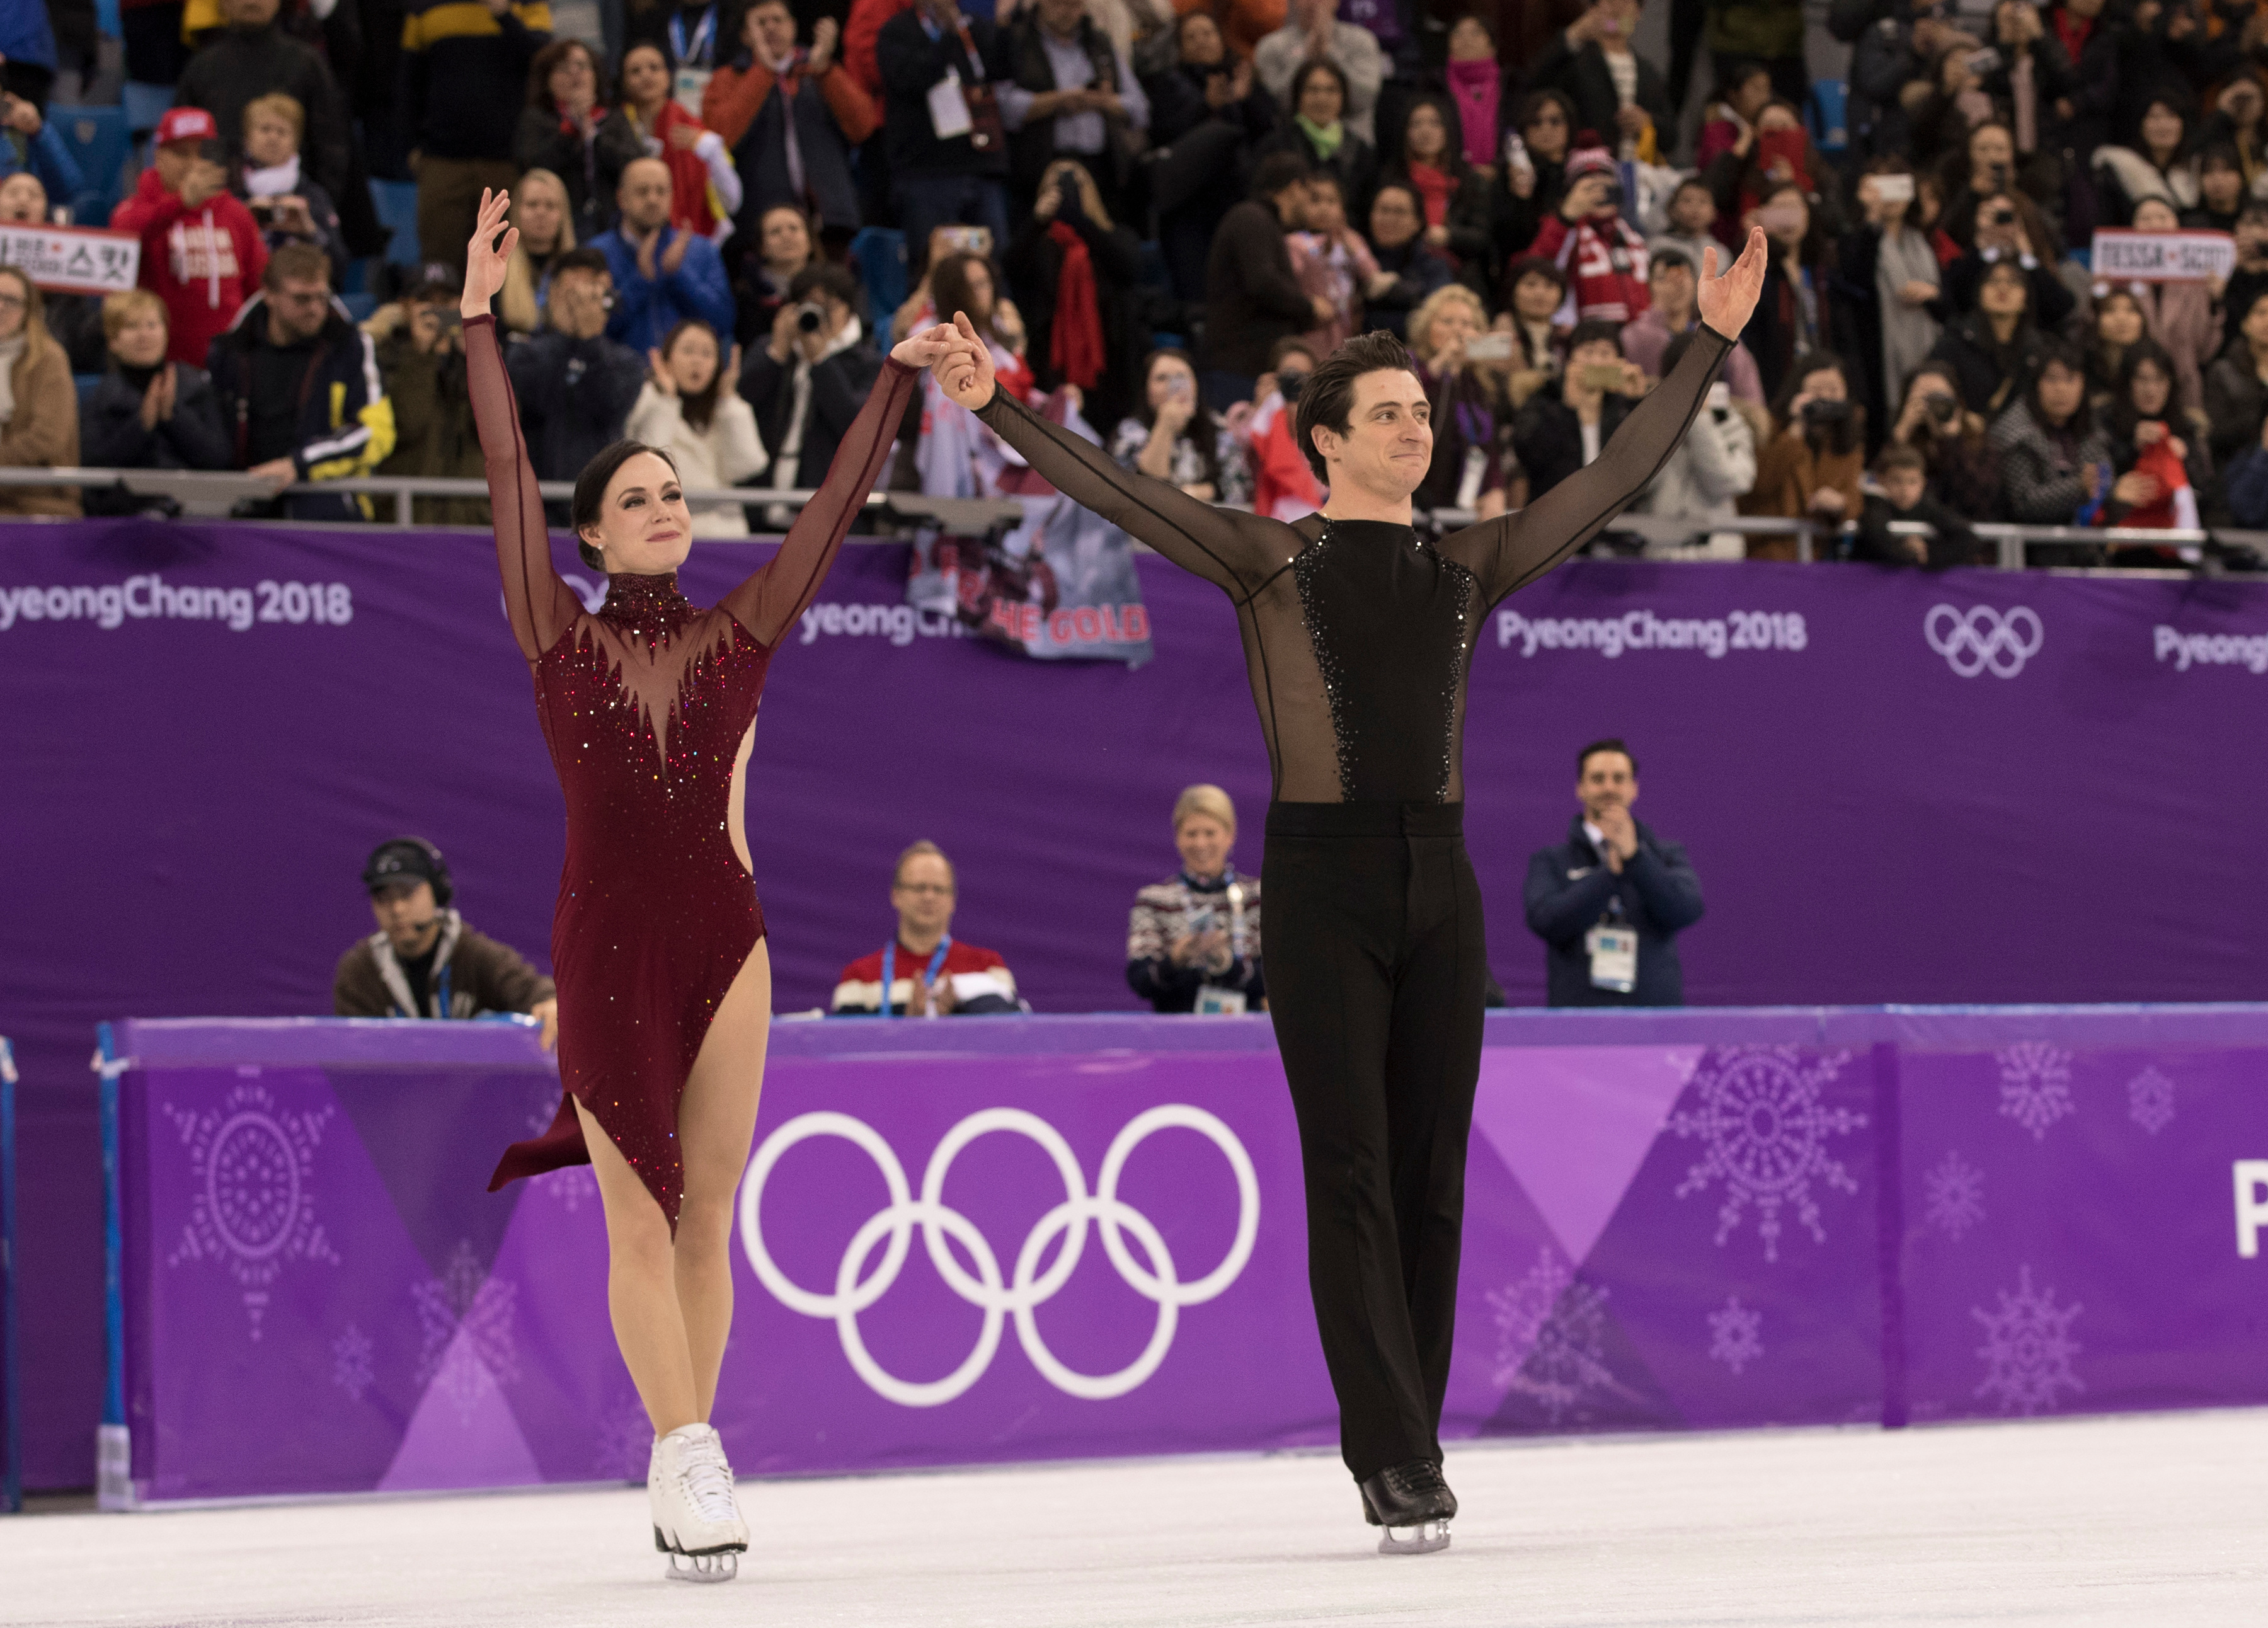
x=1415 y=1506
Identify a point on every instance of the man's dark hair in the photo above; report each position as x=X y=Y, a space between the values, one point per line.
x=828 y=279
x=1329 y=398
x=429 y=292
x=1290 y=344
x=296 y=262
x=1595 y=331
x=1276 y=172
x=1692 y=180
x=1670 y=255
x=582 y=260
x=2060 y=353
x=1898 y=456
x=1533 y=265
x=1612 y=743
x=591 y=493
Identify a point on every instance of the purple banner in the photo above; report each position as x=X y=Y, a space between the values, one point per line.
x=1894 y=786
x=1038 y=1238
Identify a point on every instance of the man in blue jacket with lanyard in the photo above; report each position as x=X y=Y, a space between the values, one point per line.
x=1610 y=902
x=663 y=273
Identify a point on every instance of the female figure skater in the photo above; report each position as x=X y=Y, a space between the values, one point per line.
x=649 y=709
x=1358 y=639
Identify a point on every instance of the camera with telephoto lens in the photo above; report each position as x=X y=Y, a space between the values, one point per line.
x=1820 y=414
x=1943 y=408
x=810 y=317
x=1289 y=385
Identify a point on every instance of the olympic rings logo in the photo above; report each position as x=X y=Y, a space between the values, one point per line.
x=1027 y=1288
x=1984 y=638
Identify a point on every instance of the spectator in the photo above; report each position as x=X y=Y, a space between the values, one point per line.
x=1207 y=113
x=2237 y=121
x=1890 y=276
x=1728 y=124
x=663 y=273
x=1333 y=262
x=74 y=321
x=2184 y=317
x=1791 y=316
x=691 y=409
x=299 y=388
x=2161 y=463
x=1312 y=33
x=2080 y=120
x=1079 y=271
x=690 y=34
x=1315 y=131
x=201 y=248
x=1612 y=87
x=704 y=189
x=783 y=247
x=924 y=972
x=1673 y=291
x=1610 y=902
x=964 y=280
x=1781 y=155
x=1768 y=32
x=1810 y=469
x=424 y=962
x=2055 y=464
x=38 y=420
x=544 y=216
x=1995 y=348
x=2251 y=276
x=1692 y=218
x=1171 y=435
x=2118 y=323
x=1707 y=472
x=575 y=386
x=1957 y=103
x=808 y=383
x=1538 y=296
x=2235 y=388
x=147 y=413
x=1903 y=475
x=1535 y=171
x=456 y=60
x=825 y=110
x=1559 y=432
x=29 y=145
x=1193 y=941
x=252 y=57
x=1469 y=417
x=1962 y=470
x=928 y=54
x=1409 y=269
x=1068 y=93
x=568 y=129
x=1989 y=155
x=1476 y=86
x=290 y=206
x=1603 y=253
x=2007 y=226
x=1284 y=483
x=2155 y=167
x=1455 y=195
x=421 y=360
x=1253 y=295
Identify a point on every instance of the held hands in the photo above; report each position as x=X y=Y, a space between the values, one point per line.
x=925 y=347
x=1727 y=303
x=487 y=256
x=964 y=371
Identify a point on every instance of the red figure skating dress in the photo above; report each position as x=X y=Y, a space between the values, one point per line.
x=645 y=706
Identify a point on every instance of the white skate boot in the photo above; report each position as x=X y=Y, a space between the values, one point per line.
x=696 y=1522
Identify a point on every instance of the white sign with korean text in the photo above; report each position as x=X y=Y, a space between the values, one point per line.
x=2163 y=256
x=72 y=260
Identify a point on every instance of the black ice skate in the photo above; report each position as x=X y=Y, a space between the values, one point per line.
x=1415 y=1506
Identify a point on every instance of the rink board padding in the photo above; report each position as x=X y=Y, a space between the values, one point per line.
x=1676 y=1220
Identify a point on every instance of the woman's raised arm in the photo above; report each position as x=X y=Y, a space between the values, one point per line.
x=540 y=606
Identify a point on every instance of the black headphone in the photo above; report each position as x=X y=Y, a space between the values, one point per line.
x=444 y=888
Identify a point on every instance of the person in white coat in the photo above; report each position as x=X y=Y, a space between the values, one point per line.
x=1712 y=468
x=691 y=409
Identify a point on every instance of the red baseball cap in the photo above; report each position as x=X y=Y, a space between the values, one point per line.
x=187 y=124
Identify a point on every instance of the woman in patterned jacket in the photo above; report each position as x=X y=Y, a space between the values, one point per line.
x=1193 y=942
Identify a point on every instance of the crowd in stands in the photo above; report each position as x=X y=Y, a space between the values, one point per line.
x=1160 y=213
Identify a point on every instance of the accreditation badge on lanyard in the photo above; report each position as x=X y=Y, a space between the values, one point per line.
x=1220 y=1002
x=693 y=57
x=1613 y=947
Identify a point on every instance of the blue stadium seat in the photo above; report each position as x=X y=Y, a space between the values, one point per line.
x=879 y=252
x=98 y=143
x=145 y=105
x=1829 y=113
x=106 y=19
x=359 y=305
x=396 y=202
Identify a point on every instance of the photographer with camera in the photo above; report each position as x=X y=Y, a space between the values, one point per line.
x=1564 y=424
x=2009 y=226
x=809 y=382
x=1608 y=260
x=1888 y=277
x=1963 y=472
x=420 y=356
x=1994 y=349
x=575 y=386
x=1810 y=469
x=289 y=206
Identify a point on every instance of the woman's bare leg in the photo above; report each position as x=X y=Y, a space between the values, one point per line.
x=716 y=1125
x=642 y=1289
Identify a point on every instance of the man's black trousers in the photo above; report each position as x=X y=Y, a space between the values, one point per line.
x=1377 y=964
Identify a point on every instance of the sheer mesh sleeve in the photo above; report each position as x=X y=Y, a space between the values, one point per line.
x=541 y=606
x=1510 y=553
x=1238 y=552
x=768 y=603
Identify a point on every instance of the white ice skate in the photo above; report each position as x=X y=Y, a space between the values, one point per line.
x=696 y=1522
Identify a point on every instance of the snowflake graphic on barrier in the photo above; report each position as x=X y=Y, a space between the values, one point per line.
x=2150 y=1100
x=570 y=1188
x=1766 y=1129
x=1953 y=1194
x=625 y=1441
x=255 y=1205
x=1551 y=1336
x=467 y=1301
x=2035 y=1084
x=350 y=1363
x=2028 y=1349
x=1736 y=1334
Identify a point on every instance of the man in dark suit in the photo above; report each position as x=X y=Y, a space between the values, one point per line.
x=1610 y=902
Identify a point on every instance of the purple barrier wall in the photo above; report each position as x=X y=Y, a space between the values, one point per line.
x=1685 y=1220
x=1894 y=787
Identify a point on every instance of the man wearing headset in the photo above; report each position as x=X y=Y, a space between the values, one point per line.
x=424 y=962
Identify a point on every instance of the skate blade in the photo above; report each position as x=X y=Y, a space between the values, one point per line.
x=720 y=1567
x=1422 y=1539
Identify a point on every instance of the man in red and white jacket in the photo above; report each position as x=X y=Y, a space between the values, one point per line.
x=202 y=251
x=924 y=972
x=1603 y=255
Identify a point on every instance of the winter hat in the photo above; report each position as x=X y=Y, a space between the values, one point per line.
x=1588 y=154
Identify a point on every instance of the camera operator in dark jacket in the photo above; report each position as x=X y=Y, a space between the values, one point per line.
x=575 y=386
x=1612 y=878
x=810 y=381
